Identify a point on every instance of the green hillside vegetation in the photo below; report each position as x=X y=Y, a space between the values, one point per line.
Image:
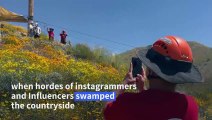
x=203 y=91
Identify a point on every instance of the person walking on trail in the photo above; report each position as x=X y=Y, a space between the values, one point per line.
x=168 y=62
x=63 y=36
x=51 y=33
x=37 y=31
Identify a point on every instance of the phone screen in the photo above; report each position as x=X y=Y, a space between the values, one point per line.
x=137 y=66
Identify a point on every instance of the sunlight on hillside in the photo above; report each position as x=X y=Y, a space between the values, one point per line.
x=29 y=60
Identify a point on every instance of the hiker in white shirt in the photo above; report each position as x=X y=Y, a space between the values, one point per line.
x=37 y=31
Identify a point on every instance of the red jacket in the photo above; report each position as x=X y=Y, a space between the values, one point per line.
x=51 y=34
x=152 y=105
x=63 y=35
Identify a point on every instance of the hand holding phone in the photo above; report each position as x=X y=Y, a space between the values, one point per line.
x=137 y=66
x=135 y=75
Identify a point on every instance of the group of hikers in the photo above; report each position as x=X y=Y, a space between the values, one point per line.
x=35 y=31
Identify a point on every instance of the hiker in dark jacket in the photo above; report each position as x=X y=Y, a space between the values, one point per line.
x=63 y=36
x=51 y=33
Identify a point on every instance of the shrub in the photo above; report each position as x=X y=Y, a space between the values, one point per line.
x=83 y=51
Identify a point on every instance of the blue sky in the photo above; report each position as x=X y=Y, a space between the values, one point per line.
x=128 y=22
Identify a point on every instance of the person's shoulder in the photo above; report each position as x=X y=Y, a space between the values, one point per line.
x=190 y=101
x=191 y=112
x=189 y=98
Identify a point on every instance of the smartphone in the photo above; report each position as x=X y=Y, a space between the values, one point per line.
x=137 y=66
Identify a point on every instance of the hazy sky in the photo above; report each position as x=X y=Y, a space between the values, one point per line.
x=119 y=25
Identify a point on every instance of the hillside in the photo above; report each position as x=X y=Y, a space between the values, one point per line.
x=29 y=60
